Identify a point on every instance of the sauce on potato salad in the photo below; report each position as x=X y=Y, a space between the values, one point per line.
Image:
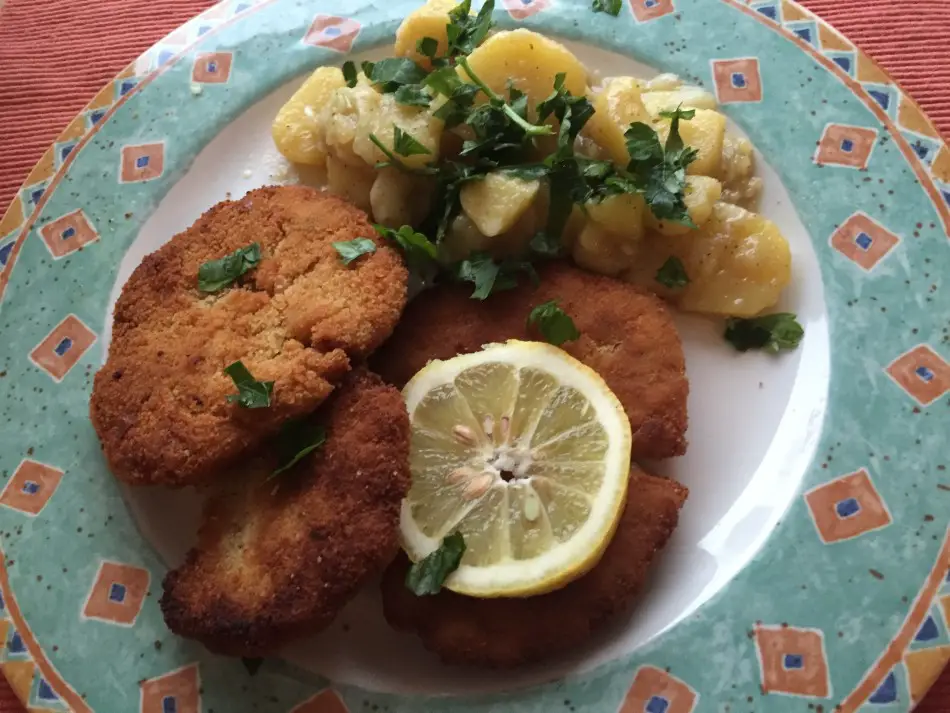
x=502 y=147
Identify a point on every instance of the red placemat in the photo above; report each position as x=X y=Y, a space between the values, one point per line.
x=45 y=82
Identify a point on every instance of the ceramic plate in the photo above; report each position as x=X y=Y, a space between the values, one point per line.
x=810 y=568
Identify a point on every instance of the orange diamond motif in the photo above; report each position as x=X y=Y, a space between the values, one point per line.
x=847 y=507
x=922 y=373
x=32 y=485
x=178 y=692
x=737 y=80
x=520 y=9
x=117 y=594
x=863 y=241
x=646 y=10
x=142 y=162
x=327 y=701
x=68 y=234
x=63 y=347
x=792 y=661
x=335 y=33
x=212 y=68
x=843 y=145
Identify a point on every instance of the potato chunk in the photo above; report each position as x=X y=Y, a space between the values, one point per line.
x=737 y=263
x=616 y=106
x=601 y=251
x=297 y=129
x=687 y=97
x=530 y=61
x=705 y=132
x=622 y=215
x=700 y=196
x=353 y=183
x=495 y=203
x=399 y=198
x=427 y=21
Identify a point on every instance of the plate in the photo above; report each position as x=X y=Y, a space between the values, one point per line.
x=810 y=569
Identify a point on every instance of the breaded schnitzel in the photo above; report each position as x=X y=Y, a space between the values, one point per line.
x=511 y=632
x=159 y=403
x=627 y=336
x=277 y=560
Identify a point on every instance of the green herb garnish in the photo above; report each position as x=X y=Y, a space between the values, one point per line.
x=405 y=144
x=251 y=392
x=489 y=275
x=215 y=275
x=427 y=47
x=418 y=251
x=465 y=32
x=426 y=576
x=555 y=325
x=771 y=332
x=393 y=72
x=351 y=249
x=672 y=274
x=349 y=74
x=297 y=440
x=611 y=7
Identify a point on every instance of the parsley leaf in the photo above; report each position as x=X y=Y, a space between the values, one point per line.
x=251 y=392
x=417 y=250
x=405 y=144
x=295 y=441
x=426 y=576
x=611 y=7
x=215 y=275
x=464 y=32
x=413 y=95
x=393 y=72
x=349 y=74
x=770 y=332
x=367 y=68
x=490 y=276
x=672 y=274
x=427 y=47
x=351 y=249
x=555 y=325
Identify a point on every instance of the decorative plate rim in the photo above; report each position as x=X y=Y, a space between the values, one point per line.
x=31 y=197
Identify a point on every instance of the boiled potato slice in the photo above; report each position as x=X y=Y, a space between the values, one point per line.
x=400 y=198
x=427 y=21
x=530 y=61
x=496 y=202
x=354 y=183
x=462 y=239
x=355 y=113
x=739 y=185
x=687 y=97
x=700 y=195
x=704 y=132
x=601 y=251
x=616 y=106
x=738 y=263
x=622 y=215
x=297 y=129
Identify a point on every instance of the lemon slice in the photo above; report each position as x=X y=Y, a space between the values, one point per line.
x=526 y=452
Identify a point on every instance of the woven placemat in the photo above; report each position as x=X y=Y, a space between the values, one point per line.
x=45 y=81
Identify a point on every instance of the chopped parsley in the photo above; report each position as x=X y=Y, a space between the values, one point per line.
x=405 y=144
x=418 y=251
x=427 y=47
x=555 y=325
x=465 y=32
x=215 y=275
x=770 y=332
x=349 y=74
x=489 y=275
x=672 y=274
x=389 y=74
x=611 y=7
x=426 y=576
x=251 y=392
x=295 y=441
x=351 y=249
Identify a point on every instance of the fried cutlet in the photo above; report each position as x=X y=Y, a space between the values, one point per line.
x=277 y=559
x=510 y=632
x=627 y=336
x=159 y=403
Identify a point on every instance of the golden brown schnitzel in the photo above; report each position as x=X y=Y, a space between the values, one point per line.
x=277 y=559
x=510 y=632
x=160 y=402
x=627 y=336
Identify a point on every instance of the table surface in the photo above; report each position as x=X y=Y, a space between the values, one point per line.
x=914 y=47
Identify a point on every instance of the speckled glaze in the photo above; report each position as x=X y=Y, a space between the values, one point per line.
x=845 y=608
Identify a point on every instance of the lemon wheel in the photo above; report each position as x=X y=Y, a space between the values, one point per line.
x=524 y=451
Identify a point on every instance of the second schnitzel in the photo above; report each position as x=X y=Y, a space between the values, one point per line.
x=626 y=335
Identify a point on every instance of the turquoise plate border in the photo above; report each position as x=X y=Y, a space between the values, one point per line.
x=846 y=608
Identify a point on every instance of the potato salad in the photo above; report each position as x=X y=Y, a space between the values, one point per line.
x=483 y=151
